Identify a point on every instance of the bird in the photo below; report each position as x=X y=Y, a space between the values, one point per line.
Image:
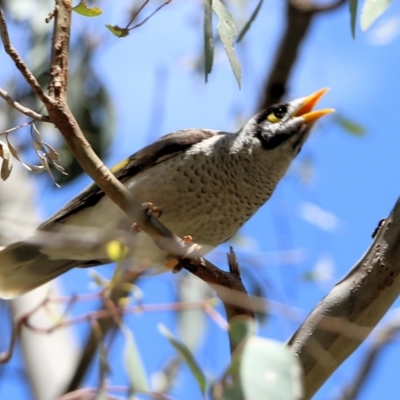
x=207 y=183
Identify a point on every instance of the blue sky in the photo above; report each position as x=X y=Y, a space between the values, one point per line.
x=354 y=180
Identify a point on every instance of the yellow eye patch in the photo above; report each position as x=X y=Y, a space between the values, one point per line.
x=276 y=113
x=273 y=118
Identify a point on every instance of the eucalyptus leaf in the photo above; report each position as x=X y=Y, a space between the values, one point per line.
x=241 y=328
x=208 y=39
x=6 y=166
x=372 y=9
x=118 y=31
x=227 y=31
x=187 y=356
x=133 y=363
x=353 y=16
x=86 y=11
x=350 y=126
x=250 y=21
x=269 y=370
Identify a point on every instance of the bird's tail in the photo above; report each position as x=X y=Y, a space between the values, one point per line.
x=23 y=267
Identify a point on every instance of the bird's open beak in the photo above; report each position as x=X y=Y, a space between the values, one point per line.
x=305 y=110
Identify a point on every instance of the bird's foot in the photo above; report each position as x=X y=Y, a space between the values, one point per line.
x=172 y=262
x=151 y=209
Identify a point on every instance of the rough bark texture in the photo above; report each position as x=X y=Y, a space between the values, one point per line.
x=343 y=319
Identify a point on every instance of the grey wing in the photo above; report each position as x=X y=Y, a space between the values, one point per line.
x=166 y=147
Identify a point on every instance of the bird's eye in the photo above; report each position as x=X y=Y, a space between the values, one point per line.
x=276 y=114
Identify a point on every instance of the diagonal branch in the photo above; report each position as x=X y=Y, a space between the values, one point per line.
x=63 y=119
x=26 y=73
x=299 y=15
x=24 y=110
x=361 y=298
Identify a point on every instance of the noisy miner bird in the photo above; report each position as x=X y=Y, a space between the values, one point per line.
x=208 y=183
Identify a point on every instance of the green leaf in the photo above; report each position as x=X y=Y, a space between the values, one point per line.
x=371 y=10
x=187 y=356
x=350 y=126
x=118 y=31
x=250 y=21
x=353 y=16
x=86 y=11
x=227 y=31
x=269 y=370
x=241 y=328
x=133 y=363
x=208 y=39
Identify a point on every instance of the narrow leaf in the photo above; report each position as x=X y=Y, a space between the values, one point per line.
x=86 y=11
x=29 y=167
x=133 y=363
x=187 y=356
x=227 y=31
x=353 y=16
x=208 y=39
x=117 y=31
x=250 y=21
x=51 y=152
x=45 y=163
x=350 y=126
x=6 y=166
x=372 y=9
x=269 y=370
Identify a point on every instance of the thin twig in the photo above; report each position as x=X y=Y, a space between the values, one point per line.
x=147 y=18
x=24 y=110
x=383 y=337
x=26 y=73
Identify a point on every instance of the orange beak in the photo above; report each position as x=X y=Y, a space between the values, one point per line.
x=305 y=111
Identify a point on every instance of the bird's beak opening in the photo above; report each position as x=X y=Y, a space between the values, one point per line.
x=309 y=102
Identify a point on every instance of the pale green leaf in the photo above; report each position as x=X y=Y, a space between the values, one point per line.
x=269 y=370
x=350 y=126
x=208 y=39
x=118 y=31
x=227 y=31
x=86 y=11
x=372 y=9
x=250 y=21
x=187 y=356
x=133 y=363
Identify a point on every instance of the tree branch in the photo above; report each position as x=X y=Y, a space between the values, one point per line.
x=26 y=73
x=361 y=299
x=299 y=14
x=382 y=338
x=24 y=110
x=61 y=116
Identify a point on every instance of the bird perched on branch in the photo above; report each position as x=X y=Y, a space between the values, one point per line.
x=208 y=183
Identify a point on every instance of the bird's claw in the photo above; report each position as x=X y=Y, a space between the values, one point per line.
x=172 y=262
x=151 y=209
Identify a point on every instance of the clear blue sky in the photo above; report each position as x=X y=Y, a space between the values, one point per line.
x=354 y=179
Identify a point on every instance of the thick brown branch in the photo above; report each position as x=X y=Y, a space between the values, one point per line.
x=299 y=15
x=361 y=298
x=60 y=50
